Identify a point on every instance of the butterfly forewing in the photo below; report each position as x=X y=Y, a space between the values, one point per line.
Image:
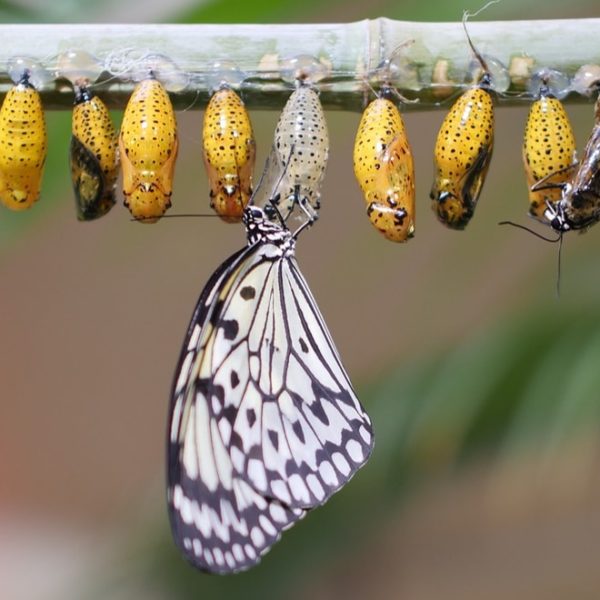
x=265 y=423
x=219 y=521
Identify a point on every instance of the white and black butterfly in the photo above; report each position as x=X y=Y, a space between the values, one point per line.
x=264 y=423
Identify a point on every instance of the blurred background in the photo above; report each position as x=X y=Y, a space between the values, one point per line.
x=482 y=386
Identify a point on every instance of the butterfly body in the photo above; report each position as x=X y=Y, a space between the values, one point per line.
x=579 y=206
x=265 y=424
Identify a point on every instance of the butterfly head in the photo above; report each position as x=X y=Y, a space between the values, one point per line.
x=555 y=214
x=259 y=228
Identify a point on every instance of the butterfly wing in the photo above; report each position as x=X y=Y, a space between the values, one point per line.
x=265 y=423
x=220 y=523
x=299 y=433
x=293 y=425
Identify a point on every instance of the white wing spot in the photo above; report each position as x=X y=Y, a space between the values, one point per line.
x=208 y=557
x=341 y=463
x=278 y=513
x=197 y=547
x=299 y=489
x=327 y=473
x=354 y=450
x=238 y=552
x=365 y=434
x=202 y=518
x=187 y=543
x=218 y=554
x=315 y=486
x=185 y=511
x=177 y=496
x=257 y=474
x=267 y=525
x=281 y=491
x=250 y=551
x=229 y=560
x=257 y=536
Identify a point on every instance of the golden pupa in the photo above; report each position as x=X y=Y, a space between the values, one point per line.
x=463 y=151
x=23 y=145
x=229 y=153
x=148 y=147
x=549 y=152
x=93 y=156
x=383 y=166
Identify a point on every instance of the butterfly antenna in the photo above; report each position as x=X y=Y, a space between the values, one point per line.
x=176 y=216
x=558 y=266
x=262 y=176
x=539 y=235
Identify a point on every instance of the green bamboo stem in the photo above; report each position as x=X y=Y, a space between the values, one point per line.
x=350 y=50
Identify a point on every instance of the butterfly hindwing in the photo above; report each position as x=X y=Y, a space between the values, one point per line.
x=299 y=432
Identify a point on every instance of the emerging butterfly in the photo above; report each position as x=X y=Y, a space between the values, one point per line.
x=264 y=423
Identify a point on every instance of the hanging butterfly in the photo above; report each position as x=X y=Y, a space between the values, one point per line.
x=264 y=423
x=579 y=206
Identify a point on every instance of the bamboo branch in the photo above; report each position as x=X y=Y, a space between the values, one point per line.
x=434 y=68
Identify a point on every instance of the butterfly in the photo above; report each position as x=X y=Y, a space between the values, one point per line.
x=579 y=206
x=264 y=422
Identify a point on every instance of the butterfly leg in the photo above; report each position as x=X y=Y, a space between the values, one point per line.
x=311 y=216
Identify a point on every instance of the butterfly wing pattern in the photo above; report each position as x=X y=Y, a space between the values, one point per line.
x=264 y=423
